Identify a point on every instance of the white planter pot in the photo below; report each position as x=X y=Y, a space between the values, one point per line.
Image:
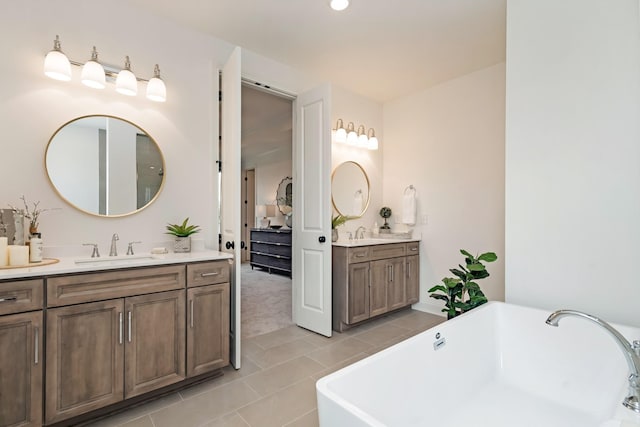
x=182 y=244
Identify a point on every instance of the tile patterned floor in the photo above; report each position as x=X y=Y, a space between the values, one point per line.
x=276 y=385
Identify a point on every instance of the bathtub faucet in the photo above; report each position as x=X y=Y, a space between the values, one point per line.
x=631 y=353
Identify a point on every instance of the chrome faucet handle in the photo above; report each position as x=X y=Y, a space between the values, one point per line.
x=350 y=236
x=95 y=253
x=130 y=247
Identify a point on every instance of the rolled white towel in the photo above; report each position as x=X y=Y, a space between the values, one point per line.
x=409 y=209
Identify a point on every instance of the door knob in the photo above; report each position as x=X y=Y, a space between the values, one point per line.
x=229 y=245
x=242 y=244
x=322 y=239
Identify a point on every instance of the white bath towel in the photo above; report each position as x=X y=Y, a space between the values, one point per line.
x=409 y=208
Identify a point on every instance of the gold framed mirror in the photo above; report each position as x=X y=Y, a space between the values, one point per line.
x=105 y=165
x=350 y=189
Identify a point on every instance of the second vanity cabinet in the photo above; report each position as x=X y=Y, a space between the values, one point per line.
x=368 y=281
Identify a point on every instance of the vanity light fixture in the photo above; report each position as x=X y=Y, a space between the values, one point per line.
x=56 y=63
x=94 y=74
x=126 y=82
x=339 y=4
x=360 y=139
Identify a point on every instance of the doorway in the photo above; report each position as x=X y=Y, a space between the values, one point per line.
x=266 y=159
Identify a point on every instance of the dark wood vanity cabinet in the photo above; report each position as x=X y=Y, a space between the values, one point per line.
x=21 y=361
x=369 y=281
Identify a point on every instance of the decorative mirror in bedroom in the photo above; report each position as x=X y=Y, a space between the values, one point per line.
x=350 y=189
x=105 y=166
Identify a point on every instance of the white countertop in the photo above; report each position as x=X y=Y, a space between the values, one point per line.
x=68 y=265
x=368 y=242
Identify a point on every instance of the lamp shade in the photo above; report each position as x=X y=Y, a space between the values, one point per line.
x=261 y=211
x=56 y=63
x=270 y=211
x=126 y=82
x=340 y=134
x=93 y=73
x=156 y=90
x=339 y=4
x=352 y=136
x=363 y=141
x=373 y=141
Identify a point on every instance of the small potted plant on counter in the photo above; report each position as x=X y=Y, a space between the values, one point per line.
x=462 y=293
x=336 y=222
x=182 y=233
x=385 y=213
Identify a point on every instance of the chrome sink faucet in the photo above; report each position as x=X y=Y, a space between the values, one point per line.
x=631 y=353
x=360 y=232
x=114 y=248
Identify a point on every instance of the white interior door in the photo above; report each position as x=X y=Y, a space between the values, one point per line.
x=312 y=211
x=230 y=188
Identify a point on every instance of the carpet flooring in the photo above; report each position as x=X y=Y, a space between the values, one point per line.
x=266 y=301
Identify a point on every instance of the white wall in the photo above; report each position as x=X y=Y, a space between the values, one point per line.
x=573 y=156
x=448 y=142
x=354 y=108
x=33 y=106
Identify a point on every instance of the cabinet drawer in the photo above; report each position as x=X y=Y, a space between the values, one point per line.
x=22 y=295
x=113 y=284
x=387 y=251
x=207 y=273
x=271 y=236
x=413 y=248
x=359 y=254
x=272 y=248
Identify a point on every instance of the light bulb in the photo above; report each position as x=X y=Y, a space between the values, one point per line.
x=93 y=73
x=126 y=82
x=56 y=63
x=156 y=90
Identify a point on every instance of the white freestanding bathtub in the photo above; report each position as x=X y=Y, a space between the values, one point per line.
x=499 y=365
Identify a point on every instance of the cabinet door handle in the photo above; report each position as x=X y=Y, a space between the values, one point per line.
x=413 y=249
x=129 y=336
x=36 y=344
x=392 y=273
x=120 y=332
x=8 y=299
x=209 y=274
x=191 y=309
x=409 y=270
x=360 y=255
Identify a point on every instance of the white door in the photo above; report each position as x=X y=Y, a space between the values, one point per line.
x=312 y=211
x=230 y=188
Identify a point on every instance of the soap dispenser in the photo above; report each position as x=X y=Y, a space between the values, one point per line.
x=375 y=230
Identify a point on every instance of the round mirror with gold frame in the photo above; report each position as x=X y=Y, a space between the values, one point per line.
x=105 y=166
x=350 y=189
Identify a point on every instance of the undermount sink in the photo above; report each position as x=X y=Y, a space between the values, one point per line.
x=122 y=259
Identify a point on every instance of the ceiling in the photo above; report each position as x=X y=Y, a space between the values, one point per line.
x=380 y=49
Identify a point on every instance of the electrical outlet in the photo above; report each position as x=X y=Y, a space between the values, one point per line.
x=423 y=219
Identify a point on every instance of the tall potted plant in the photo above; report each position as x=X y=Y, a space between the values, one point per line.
x=182 y=235
x=462 y=293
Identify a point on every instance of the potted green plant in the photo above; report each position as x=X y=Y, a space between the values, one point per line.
x=336 y=222
x=182 y=233
x=462 y=293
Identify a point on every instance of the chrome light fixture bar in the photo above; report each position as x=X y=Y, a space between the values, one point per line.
x=349 y=136
x=94 y=74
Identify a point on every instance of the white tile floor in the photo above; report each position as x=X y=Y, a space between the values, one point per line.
x=276 y=385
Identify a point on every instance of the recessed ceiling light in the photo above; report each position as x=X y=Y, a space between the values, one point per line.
x=339 y=4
